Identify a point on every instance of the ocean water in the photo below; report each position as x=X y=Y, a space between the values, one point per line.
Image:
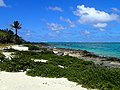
x=104 y=49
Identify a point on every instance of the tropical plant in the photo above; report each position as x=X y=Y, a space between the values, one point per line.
x=16 y=25
x=7 y=36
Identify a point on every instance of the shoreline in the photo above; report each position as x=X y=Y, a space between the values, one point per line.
x=88 y=56
x=47 y=45
x=81 y=54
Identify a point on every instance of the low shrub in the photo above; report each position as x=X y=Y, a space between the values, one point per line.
x=29 y=54
x=17 y=64
x=32 y=47
x=10 y=50
x=2 y=57
x=47 y=70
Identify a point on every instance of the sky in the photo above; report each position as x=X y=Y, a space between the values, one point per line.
x=63 y=20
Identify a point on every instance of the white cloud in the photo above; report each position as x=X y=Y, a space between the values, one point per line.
x=2 y=3
x=71 y=23
x=55 y=26
x=101 y=29
x=100 y=25
x=91 y=15
x=28 y=33
x=86 y=32
x=55 y=9
x=115 y=9
x=55 y=34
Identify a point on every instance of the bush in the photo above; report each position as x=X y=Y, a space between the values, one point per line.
x=32 y=47
x=17 y=64
x=10 y=50
x=47 y=70
x=29 y=54
x=2 y=57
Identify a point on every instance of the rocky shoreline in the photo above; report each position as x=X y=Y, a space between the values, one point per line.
x=88 y=56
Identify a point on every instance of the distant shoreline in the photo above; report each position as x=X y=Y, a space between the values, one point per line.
x=105 y=49
x=88 y=56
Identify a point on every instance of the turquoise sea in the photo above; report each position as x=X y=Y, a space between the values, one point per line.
x=104 y=49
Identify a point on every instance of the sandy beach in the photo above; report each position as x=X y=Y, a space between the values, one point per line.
x=20 y=81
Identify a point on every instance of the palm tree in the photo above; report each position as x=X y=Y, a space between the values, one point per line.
x=16 y=25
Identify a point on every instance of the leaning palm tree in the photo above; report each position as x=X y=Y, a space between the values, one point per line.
x=16 y=25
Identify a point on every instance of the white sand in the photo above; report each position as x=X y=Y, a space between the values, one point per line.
x=42 y=60
x=60 y=66
x=19 y=47
x=20 y=81
x=8 y=54
x=115 y=63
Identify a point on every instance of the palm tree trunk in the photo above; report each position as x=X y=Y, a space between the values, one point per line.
x=16 y=36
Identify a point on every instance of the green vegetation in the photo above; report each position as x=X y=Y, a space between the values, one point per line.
x=47 y=70
x=74 y=69
x=16 y=25
x=10 y=50
x=7 y=36
x=4 y=45
x=34 y=47
x=18 y=63
x=2 y=57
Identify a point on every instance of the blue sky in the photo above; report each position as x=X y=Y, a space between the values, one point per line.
x=63 y=20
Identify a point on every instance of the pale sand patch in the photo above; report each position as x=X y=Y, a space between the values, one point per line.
x=8 y=54
x=42 y=60
x=60 y=66
x=19 y=47
x=20 y=81
x=115 y=63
